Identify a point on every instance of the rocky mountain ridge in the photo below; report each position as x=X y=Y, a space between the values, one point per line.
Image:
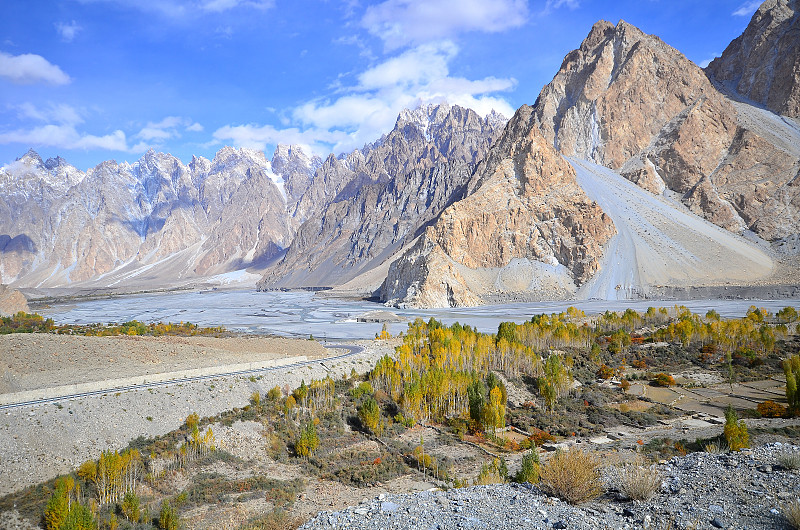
x=394 y=189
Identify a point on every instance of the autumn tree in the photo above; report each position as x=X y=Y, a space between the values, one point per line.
x=495 y=411
x=555 y=382
x=370 y=415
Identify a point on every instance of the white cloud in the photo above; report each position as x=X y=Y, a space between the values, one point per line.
x=65 y=136
x=181 y=9
x=58 y=113
x=706 y=62
x=402 y=22
x=68 y=30
x=167 y=128
x=556 y=4
x=419 y=75
x=29 y=68
x=224 y=5
x=260 y=137
x=747 y=9
x=370 y=107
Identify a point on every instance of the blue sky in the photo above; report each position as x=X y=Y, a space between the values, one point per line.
x=92 y=80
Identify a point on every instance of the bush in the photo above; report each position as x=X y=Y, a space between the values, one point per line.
x=662 y=379
x=789 y=460
x=275 y=520
x=770 y=409
x=792 y=514
x=638 y=483
x=572 y=476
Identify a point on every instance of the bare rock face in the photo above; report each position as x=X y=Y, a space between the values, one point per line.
x=763 y=64
x=630 y=102
x=396 y=186
x=525 y=213
x=12 y=302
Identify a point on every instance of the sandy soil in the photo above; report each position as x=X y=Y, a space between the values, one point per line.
x=33 y=361
x=659 y=242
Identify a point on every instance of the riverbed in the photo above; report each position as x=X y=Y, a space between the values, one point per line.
x=304 y=314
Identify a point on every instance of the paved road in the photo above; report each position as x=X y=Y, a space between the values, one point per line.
x=351 y=351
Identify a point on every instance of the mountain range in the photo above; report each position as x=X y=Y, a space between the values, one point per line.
x=634 y=172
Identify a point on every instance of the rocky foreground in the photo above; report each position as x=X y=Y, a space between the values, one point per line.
x=747 y=489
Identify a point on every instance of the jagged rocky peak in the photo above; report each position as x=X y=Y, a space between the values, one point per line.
x=615 y=92
x=55 y=173
x=763 y=64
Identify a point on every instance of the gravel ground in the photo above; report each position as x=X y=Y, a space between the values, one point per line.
x=43 y=441
x=744 y=490
x=41 y=360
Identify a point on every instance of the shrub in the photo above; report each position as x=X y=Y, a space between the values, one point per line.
x=255 y=398
x=572 y=476
x=638 y=483
x=662 y=379
x=792 y=514
x=604 y=372
x=735 y=431
x=770 y=409
x=274 y=394
x=789 y=460
x=275 y=520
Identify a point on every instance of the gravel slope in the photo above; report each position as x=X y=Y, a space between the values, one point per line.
x=661 y=243
x=735 y=490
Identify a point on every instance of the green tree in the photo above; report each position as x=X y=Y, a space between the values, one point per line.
x=555 y=382
x=476 y=394
x=791 y=368
x=79 y=518
x=529 y=471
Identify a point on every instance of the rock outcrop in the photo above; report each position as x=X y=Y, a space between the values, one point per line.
x=525 y=227
x=763 y=64
x=632 y=103
x=396 y=187
x=12 y=302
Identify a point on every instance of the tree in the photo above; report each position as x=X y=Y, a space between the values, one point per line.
x=555 y=382
x=130 y=507
x=167 y=517
x=57 y=508
x=308 y=441
x=791 y=368
x=529 y=471
x=370 y=415
x=495 y=411
x=476 y=394
x=735 y=431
